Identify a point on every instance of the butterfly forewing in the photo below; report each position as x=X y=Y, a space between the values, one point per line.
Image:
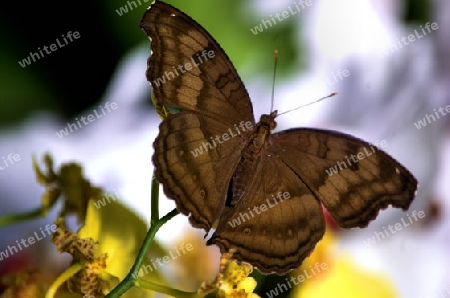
x=195 y=174
x=188 y=69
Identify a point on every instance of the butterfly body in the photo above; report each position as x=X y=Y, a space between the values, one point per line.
x=246 y=168
x=265 y=191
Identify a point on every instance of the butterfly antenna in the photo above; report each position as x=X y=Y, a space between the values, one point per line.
x=273 y=83
x=320 y=99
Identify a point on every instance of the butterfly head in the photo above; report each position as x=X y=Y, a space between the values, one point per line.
x=269 y=120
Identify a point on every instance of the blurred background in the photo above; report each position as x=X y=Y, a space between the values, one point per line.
x=391 y=90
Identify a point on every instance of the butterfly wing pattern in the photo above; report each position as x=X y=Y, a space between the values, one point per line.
x=277 y=225
x=265 y=191
x=354 y=195
x=210 y=95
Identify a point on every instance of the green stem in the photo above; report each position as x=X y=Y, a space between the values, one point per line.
x=154 y=200
x=10 y=219
x=130 y=279
x=145 y=284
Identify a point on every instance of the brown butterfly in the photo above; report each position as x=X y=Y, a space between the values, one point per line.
x=264 y=190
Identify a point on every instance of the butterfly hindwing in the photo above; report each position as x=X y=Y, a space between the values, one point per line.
x=276 y=225
x=365 y=179
x=296 y=162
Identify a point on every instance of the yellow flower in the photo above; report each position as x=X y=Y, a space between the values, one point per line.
x=86 y=256
x=69 y=182
x=104 y=248
x=232 y=281
x=323 y=252
x=162 y=111
x=327 y=274
x=346 y=279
